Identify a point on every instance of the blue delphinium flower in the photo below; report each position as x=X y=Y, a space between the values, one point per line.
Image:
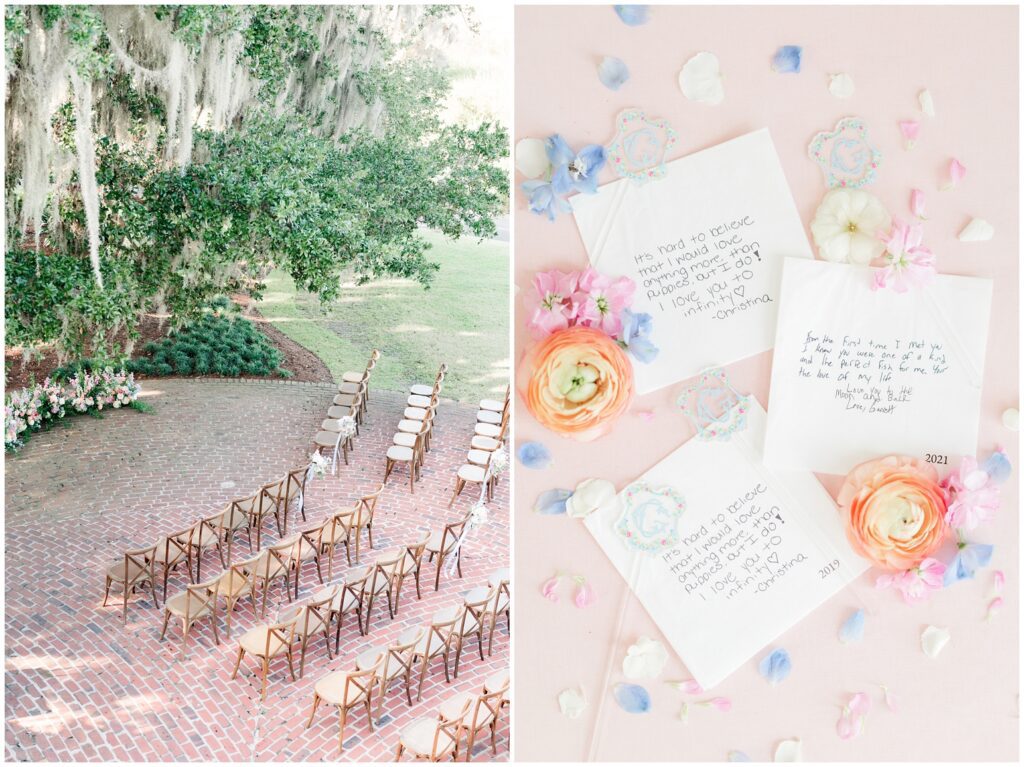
x=632 y=15
x=787 y=59
x=612 y=72
x=969 y=558
x=544 y=200
x=776 y=666
x=574 y=172
x=534 y=455
x=636 y=331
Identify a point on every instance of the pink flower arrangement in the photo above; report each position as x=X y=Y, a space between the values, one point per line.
x=567 y=299
x=915 y=584
x=972 y=495
x=907 y=262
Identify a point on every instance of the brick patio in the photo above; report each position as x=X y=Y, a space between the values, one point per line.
x=80 y=686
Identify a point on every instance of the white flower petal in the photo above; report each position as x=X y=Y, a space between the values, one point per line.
x=979 y=230
x=532 y=158
x=1011 y=419
x=789 y=751
x=645 y=659
x=589 y=496
x=933 y=639
x=846 y=226
x=701 y=79
x=572 y=702
x=841 y=86
x=927 y=104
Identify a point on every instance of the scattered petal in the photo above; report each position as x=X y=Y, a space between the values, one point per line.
x=776 y=666
x=957 y=171
x=841 y=86
x=787 y=59
x=591 y=495
x=738 y=756
x=572 y=702
x=860 y=703
x=719 y=704
x=998 y=466
x=552 y=501
x=852 y=629
x=924 y=98
x=969 y=558
x=917 y=204
x=1011 y=419
x=978 y=230
x=644 y=659
x=633 y=698
x=612 y=72
x=550 y=588
x=909 y=129
x=584 y=596
x=890 y=699
x=647 y=415
x=851 y=721
x=688 y=687
x=993 y=607
x=632 y=15
x=933 y=639
x=701 y=79
x=532 y=158
x=998 y=581
x=789 y=751
x=534 y=455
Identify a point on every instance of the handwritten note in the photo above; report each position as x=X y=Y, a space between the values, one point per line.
x=757 y=550
x=705 y=247
x=859 y=373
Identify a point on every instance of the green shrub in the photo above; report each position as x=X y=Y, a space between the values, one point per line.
x=220 y=343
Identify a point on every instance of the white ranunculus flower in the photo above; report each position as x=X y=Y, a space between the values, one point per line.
x=589 y=496
x=532 y=158
x=645 y=659
x=847 y=224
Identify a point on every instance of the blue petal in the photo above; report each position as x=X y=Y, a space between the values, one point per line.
x=594 y=157
x=853 y=629
x=632 y=15
x=633 y=698
x=738 y=756
x=998 y=467
x=612 y=72
x=552 y=501
x=561 y=181
x=643 y=350
x=558 y=150
x=645 y=323
x=534 y=455
x=630 y=325
x=968 y=560
x=776 y=666
x=787 y=59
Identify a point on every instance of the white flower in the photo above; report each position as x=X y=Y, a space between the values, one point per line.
x=645 y=659
x=847 y=224
x=479 y=515
x=532 y=158
x=701 y=79
x=933 y=640
x=572 y=702
x=347 y=427
x=499 y=461
x=591 y=495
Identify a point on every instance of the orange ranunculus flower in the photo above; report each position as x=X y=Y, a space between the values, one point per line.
x=580 y=381
x=895 y=511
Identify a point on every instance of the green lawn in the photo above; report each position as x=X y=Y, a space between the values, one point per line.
x=462 y=319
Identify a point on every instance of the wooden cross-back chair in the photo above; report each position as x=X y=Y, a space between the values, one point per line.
x=485 y=715
x=363 y=377
x=442 y=544
x=434 y=740
x=410 y=565
x=266 y=643
x=437 y=643
x=366 y=507
x=197 y=601
x=399 y=663
x=136 y=568
x=478 y=612
x=500 y=579
x=295 y=490
x=350 y=597
x=347 y=690
x=382 y=582
x=337 y=529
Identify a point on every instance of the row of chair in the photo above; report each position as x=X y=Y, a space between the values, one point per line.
x=412 y=440
x=489 y=437
x=346 y=413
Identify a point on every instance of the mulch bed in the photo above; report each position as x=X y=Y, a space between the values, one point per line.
x=304 y=365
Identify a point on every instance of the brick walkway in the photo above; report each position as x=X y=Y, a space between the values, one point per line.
x=81 y=686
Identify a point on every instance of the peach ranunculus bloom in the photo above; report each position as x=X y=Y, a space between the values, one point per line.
x=895 y=511
x=580 y=381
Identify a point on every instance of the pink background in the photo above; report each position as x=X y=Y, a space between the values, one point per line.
x=962 y=705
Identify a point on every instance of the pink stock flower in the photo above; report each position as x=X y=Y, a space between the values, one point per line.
x=584 y=596
x=551 y=307
x=851 y=721
x=600 y=300
x=917 y=203
x=917 y=583
x=910 y=129
x=908 y=262
x=549 y=588
x=971 y=494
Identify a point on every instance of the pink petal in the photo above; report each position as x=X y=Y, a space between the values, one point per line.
x=860 y=704
x=846 y=727
x=957 y=171
x=890 y=699
x=549 y=587
x=647 y=415
x=910 y=129
x=998 y=581
x=993 y=607
x=719 y=704
x=584 y=595
x=917 y=203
